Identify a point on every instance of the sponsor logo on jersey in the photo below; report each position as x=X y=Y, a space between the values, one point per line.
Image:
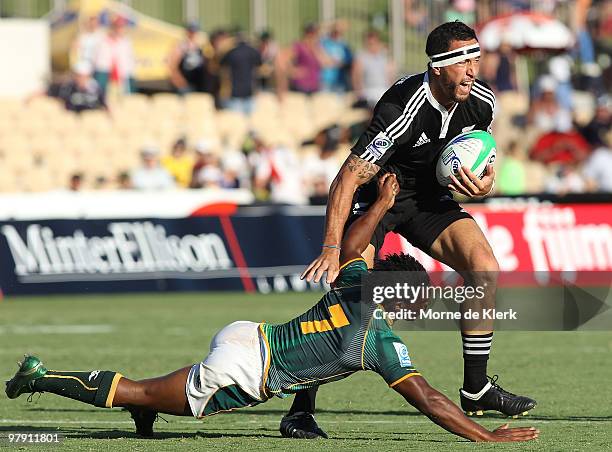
x=93 y=375
x=452 y=160
x=423 y=139
x=379 y=145
x=402 y=354
x=468 y=128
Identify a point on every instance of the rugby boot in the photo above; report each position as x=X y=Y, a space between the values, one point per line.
x=301 y=425
x=494 y=398
x=30 y=369
x=143 y=419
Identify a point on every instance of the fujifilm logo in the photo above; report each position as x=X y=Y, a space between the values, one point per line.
x=130 y=248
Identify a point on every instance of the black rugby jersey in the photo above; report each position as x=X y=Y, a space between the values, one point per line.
x=410 y=127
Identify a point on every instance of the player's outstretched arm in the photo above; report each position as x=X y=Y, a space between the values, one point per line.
x=354 y=172
x=447 y=415
x=357 y=238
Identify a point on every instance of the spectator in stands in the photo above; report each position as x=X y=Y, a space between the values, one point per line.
x=416 y=16
x=236 y=169
x=373 y=71
x=81 y=92
x=505 y=79
x=560 y=68
x=101 y=183
x=598 y=169
x=335 y=77
x=242 y=63
x=230 y=177
x=76 y=182
x=187 y=62
x=596 y=130
x=178 y=163
x=300 y=65
x=511 y=175
x=320 y=192
x=322 y=167
x=115 y=61
x=280 y=170
x=558 y=141
x=85 y=46
x=221 y=42
x=598 y=166
x=461 y=10
x=586 y=48
x=566 y=179
x=206 y=171
x=545 y=113
x=124 y=182
x=151 y=175
x=268 y=49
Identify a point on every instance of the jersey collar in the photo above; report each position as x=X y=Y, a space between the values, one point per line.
x=432 y=100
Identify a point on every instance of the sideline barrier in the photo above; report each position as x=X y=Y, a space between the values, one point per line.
x=265 y=248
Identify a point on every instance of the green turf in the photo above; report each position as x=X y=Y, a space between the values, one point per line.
x=568 y=373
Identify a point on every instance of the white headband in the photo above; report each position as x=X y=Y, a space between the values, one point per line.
x=455 y=56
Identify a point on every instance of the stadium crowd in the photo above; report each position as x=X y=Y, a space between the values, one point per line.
x=553 y=135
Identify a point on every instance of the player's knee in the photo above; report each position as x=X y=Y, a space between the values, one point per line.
x=483 y=267
x=482 y=259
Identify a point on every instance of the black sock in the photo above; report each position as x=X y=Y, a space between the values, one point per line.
x=304 y=401
x=95 y=387
x=476 y=349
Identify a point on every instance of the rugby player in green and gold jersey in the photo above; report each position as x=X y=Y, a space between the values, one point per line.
x=250 y=363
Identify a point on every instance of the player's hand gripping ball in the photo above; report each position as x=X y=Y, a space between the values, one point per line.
x=474 y=150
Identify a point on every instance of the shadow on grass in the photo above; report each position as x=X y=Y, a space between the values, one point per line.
x=102 y=434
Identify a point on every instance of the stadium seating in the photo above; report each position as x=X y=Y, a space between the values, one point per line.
x=42 y=144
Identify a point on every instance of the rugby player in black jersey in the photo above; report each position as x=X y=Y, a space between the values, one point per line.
x=411 y=124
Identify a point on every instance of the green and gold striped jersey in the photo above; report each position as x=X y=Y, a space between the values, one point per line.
x=338 y=336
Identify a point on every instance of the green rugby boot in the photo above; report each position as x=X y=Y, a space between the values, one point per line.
x=30 y=369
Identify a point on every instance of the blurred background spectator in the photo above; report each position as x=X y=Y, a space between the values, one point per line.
x=336 y=76
x=115 y=61
x=179 y=163
x=242 y=63
x=87 y=43
x=373 y=71
x=461 y=10
x=187 y=62
x=268 y=49
x=150 y=175
x=511 y=173
x=76 y=182
x=81 y=92
x=300 y=65
x=206 y=171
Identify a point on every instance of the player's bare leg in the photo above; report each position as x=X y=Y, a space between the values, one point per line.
x=463 y=247
x=369 y=254
x=162 y=394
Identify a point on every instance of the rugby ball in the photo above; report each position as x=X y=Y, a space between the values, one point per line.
x=474 y=149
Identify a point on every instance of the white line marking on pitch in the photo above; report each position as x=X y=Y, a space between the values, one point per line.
x=56 y=329
x=59 y=422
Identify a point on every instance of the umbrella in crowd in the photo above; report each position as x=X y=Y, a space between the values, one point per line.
x=560 y=147
x=525 y=32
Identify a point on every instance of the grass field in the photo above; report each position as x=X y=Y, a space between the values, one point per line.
x=149 y=335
